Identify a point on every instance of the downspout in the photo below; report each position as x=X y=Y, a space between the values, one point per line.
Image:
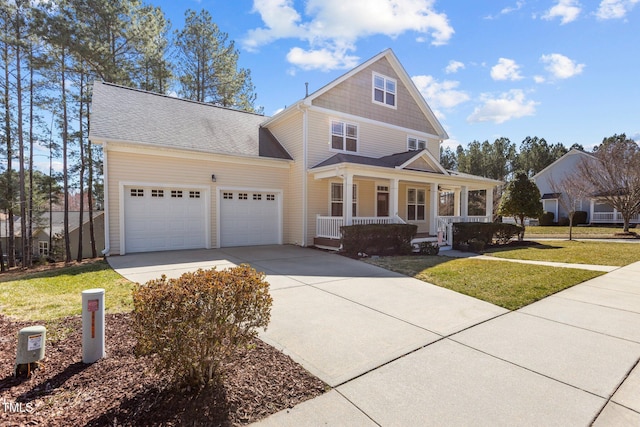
x=305 y=163
x=105 y=189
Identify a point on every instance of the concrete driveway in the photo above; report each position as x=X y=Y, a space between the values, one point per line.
x=398 y=351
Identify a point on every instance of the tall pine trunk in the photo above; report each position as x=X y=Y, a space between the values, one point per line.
x=65 y=170
x=82 y=165
x=11 y=251
x=92 y=235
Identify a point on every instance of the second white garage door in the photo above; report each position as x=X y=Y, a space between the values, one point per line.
x=249 y=218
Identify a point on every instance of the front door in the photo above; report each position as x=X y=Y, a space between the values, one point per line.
x=382 y=204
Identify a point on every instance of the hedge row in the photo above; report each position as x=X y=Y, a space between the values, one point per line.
x=378 y=239
x=476 y=235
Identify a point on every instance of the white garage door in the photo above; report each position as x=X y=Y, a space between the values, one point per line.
x=164 y=218
x=249 y=218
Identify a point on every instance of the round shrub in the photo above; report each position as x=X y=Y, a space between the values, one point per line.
x=563 y=221
x=193 y=324
x=579 y=217
x=546 y=218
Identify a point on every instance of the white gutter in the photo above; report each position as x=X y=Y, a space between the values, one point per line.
x=105 y=189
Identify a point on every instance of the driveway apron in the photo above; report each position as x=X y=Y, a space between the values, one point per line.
x=398 y=351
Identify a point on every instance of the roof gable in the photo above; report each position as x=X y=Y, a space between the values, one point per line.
x=131 y=115
x=386 y=63
x=564 y=159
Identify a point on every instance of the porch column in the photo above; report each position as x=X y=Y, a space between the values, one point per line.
x=393 y=196
x=591 y=210
x=347 y=198
x=464 y=201
x=433 y=210
x=456 y=202
x=489 y=204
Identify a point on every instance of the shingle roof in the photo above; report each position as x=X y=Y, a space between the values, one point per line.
x=125 y=114
x=390 y=161
x=41 y=222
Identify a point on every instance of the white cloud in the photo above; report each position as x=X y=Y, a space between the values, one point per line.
x=615 y=9
x=509 y=105
x=539 y=79
x=454 y=67
x=336 y=25
x=440 y=94
x=567 y=10
x=321 y=59
x=509 y=9
x=560 y=66
x=506 y=69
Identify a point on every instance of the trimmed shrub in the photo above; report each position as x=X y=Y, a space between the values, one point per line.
x=546 y=218
x=579 y=217
x=378 y=239
x=471 y=234
x=563 y=221
x=193 y=324
x=505 y=232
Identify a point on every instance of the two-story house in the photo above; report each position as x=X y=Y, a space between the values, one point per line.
x=363 y=149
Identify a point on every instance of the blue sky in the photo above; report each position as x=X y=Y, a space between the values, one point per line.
x=564 y=70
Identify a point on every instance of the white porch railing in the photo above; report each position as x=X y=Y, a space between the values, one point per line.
x=445 y=225
x=611 y=218
x=329 y=226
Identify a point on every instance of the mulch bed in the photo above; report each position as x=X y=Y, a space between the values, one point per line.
x=124 y=390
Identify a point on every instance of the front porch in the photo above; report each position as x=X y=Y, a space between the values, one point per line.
x=328 y=229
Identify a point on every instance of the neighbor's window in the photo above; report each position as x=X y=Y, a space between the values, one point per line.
x=344 y=136
x=414 y=144
x=384 y=90
x=43 y=248
x=415 y=204
x=337 y=198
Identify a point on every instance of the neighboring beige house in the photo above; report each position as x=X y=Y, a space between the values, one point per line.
x=598 y=212
x=43 y=228
x=363 y=149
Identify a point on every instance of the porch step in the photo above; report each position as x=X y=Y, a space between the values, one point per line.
x=326 y=243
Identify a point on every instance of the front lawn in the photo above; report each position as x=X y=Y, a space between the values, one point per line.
x=506 y=284
x=57 y=293
x=582 y=232
x=574 y=252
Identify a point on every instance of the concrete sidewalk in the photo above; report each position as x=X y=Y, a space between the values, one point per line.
x=458 y=254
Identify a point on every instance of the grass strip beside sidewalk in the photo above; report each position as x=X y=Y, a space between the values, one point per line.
x=508 y=285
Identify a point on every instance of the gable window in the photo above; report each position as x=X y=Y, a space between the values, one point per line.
x=384 y=90
x=344 y=136
x=337 y=199
x=414 y=144
x=415 y=204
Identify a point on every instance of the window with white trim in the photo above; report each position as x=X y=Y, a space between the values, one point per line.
x=416 y=204
x=43 y=248
x=414 y=144
x=344 y=136
x=257 y=196
x=271 y=197
x=176 y=194
x=227 y=196
x=137 y=192
x=157 y=193
x=384 y=90
x=337 y=199
x=194 y=194
x=243 y=196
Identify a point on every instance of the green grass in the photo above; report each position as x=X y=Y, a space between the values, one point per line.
x=534 y=231
x=54 y=294
x=506 y=284
x=574 y=252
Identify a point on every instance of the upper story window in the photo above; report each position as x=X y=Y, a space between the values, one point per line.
x=344 y=136
x=414 y=144
x=384 y=90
